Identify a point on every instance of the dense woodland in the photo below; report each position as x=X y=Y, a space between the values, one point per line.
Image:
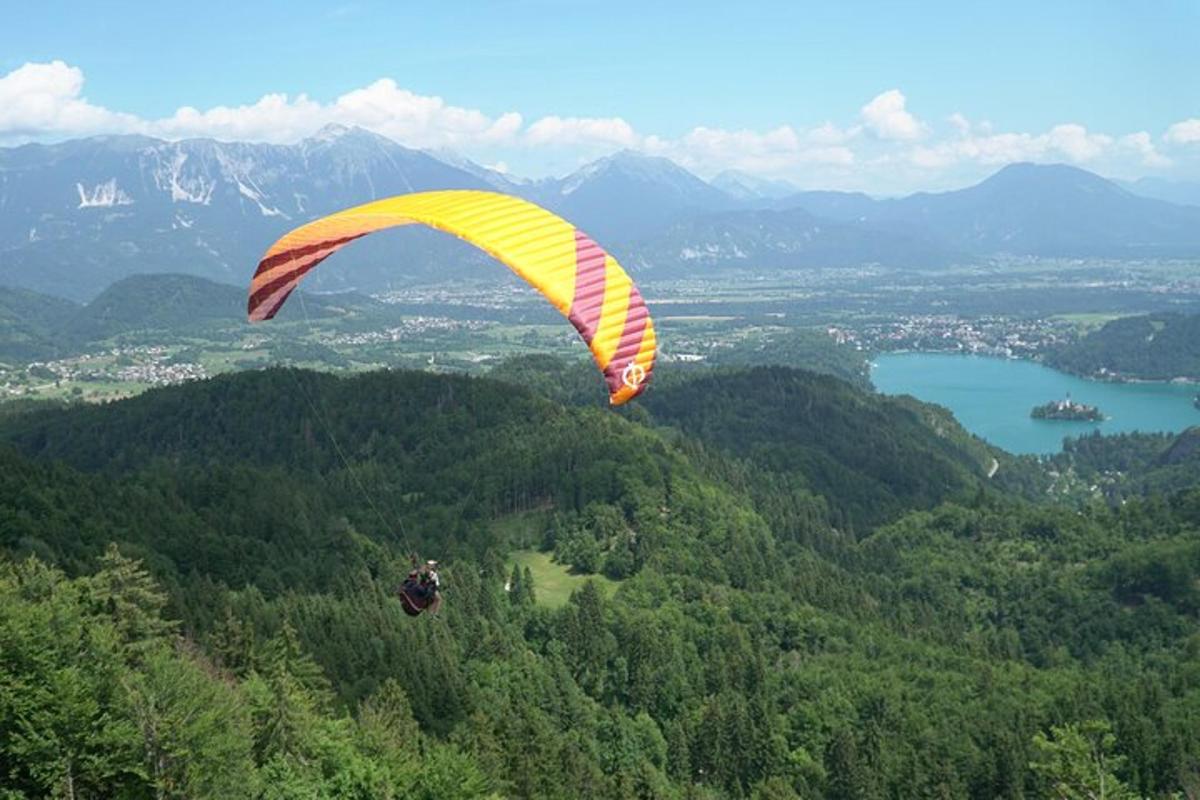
x=820 y=595
x=812 y=347
x=1113 y=468
x=1147 y=347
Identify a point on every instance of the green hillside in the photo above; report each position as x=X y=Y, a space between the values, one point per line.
x=980 y=648
x=179 y=304
x=162 y=302
x=1116 y=467
x=30 y=324
x=152 y=308
x=872 y=456
x=1151 y=347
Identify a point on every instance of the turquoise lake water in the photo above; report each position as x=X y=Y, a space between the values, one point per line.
x=992 y=398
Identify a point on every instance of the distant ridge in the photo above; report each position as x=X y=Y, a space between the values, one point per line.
x=1049 y=210
x=789 y=239
x=745 y=187
x=81 y=215
x=29 y=324
x=629 y=195
x=1052 y=210
x=36 y=326
x=1185 y=193
x=1148 y=347
x=147 y=302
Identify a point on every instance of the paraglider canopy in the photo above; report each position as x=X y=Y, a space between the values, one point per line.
x=575 y=274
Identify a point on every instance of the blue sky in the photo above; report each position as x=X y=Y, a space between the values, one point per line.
x=780 y=89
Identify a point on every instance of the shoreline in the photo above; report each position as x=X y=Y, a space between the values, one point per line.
x=1112 y=379
x=991 y=396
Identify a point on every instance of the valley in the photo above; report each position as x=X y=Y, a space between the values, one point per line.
x=154 y=330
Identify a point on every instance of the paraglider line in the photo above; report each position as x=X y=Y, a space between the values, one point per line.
x=338 y=447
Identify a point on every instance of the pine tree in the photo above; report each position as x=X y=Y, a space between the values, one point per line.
x=131 y=598
x=1078 y=762
x=232 y=643
x=516 y=586
x=527 y=587
x=288 y=692
x=195 y=732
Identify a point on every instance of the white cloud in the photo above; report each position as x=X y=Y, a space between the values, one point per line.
x=886 y=117
x=1143 y=145
x=383 y=107
x=586 y=131
x=274 y=118
x=828 y=134
x=771 y=153
x=934 y=158
x=959 y=123
x=1186 y=132
x=419 y=120
x=884 y=146
x=46 y=100
x=1076 y=143
x=40 y=99
x=1070 y=142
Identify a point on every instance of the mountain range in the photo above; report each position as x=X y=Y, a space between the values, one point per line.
x=1185 y=193
x=77 y=216
x=39 y=326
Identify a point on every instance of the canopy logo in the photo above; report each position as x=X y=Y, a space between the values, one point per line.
x=633 y=375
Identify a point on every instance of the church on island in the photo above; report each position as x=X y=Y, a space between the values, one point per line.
x=1067 y=409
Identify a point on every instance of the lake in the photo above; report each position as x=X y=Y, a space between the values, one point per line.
x=992 y=398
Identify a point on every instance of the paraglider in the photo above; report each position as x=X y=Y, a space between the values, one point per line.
x=421 y=590
x=574 y=273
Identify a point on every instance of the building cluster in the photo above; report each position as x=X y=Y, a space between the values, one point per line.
x=148 y=365
x=161 y=374
x=493 y=296
x=994 y=336
x=408 y=328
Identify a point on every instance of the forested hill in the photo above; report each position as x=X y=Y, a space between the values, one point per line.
x=871 y=455
x=749 y=647
x=40 y=326
x=1150 y=347
x=1116 y=467
x=28 y=323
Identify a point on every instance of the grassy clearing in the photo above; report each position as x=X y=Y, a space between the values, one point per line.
x=553 y=583
x=1087 y=322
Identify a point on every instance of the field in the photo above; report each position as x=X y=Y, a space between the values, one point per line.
x=1088 y=322
x=553 y=583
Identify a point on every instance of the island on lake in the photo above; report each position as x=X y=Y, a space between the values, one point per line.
x=1067 y=409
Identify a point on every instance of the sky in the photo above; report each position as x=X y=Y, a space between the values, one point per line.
x=884 y=97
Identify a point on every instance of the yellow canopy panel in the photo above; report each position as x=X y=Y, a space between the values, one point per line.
x=576 y=275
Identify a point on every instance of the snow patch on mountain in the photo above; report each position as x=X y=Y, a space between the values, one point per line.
x=103 y=195
x=330 y=133
x=744 y=186
x=170 y=177
x=238 y=171
x=495 y=176
x=582 y=176
x=712 y=252
x=257 y=197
